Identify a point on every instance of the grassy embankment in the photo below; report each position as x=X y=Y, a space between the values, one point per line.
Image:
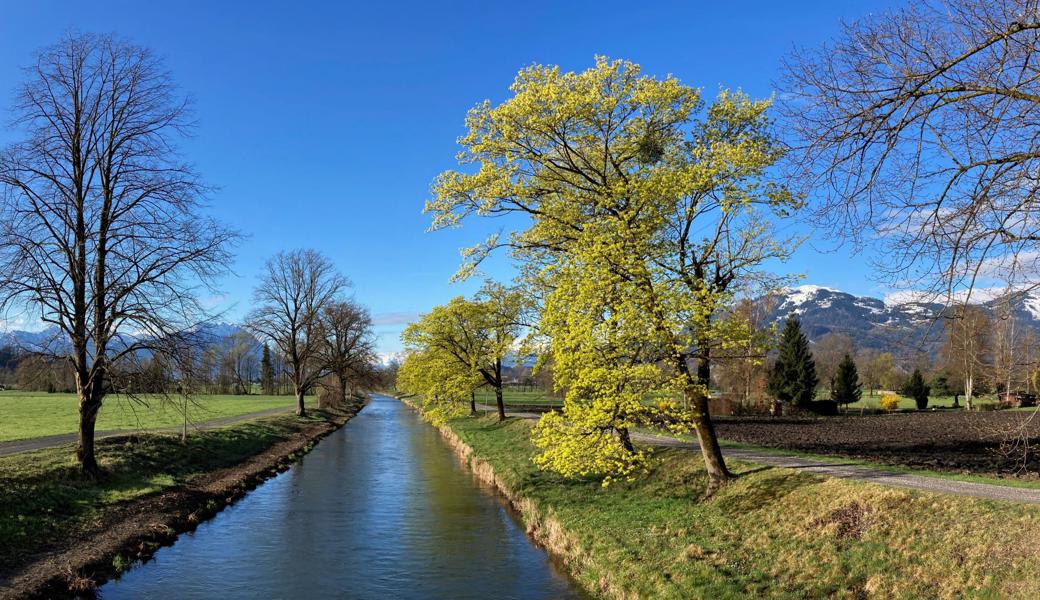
x=45 y=500
x=25 y=415
x=772 y=533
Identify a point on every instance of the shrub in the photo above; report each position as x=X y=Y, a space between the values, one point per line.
x=889 y=401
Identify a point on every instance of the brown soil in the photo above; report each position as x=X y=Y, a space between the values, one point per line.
x=992 y=443
x=138 y=528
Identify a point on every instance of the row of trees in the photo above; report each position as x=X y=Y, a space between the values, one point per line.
x=982 y=350
x=461 y=346
x=648 y=209
x=104 y=237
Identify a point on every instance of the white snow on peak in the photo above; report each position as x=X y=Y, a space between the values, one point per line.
x=797 y=296
x=1032 y=304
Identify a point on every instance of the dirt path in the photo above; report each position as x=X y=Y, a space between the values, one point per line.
x=16 y=446
x=843 y=470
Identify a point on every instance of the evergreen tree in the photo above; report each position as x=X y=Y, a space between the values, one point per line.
x=793 y=378
x=916 y=389
x=266 y=372
x=846 y=388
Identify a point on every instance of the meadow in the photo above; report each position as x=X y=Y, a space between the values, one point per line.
x=25 y=415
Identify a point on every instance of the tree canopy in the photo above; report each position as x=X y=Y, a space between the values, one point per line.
x=646 y=209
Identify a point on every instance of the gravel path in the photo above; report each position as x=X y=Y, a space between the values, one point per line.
x=838 y=468
x=16 y=446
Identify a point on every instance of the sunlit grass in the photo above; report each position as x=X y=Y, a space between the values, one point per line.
x=26 y=415
x=773 y=533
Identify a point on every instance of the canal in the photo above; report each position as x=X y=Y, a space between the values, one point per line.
x=379 y=509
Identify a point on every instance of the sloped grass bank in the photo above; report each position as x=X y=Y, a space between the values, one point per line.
x=772 y=533
x=62 y=532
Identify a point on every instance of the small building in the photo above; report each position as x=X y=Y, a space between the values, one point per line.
x=1017 y=399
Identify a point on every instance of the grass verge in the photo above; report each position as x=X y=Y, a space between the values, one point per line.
x=153 y=487
x=772 y=533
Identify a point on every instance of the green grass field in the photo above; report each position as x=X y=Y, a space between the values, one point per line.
x=26 y=415
x=487 y=396
x=874 y=401
x=44 y=495
x=772 y=533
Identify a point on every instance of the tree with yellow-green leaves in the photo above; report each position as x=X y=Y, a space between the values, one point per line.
x=646 y=211
x=467 y=341
x=441 y=385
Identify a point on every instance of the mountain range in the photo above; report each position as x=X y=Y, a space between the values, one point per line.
x=895 y=325
x=51 y=340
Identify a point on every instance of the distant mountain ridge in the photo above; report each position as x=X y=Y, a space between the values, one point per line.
x=872 y=323
x=51 y=340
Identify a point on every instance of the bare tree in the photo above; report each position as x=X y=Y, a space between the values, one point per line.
x=101 y=233
x=740 y=368
x=348 y=348
x=921 y=125
x=294 y=290
x=828 y=353
x=967 y=348
x=1005 y=346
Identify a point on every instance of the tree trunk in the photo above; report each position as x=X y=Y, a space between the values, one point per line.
x=714 y=463
x=626 y=439
x=501 y=403
x=472 y=402
x=300 y=411
x=88 y=410
x=968 y=385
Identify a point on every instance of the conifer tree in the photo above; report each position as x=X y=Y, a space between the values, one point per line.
x=846 y=388
x=267 y=371
x=793 y=378
x=917 y=389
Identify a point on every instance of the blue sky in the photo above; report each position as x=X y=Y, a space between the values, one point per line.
x=323 y=123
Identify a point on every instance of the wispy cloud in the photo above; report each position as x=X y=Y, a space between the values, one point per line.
x=394 y=318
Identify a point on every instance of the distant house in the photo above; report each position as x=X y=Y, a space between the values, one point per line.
x=1017 y=399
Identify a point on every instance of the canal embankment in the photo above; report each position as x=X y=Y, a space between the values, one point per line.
x=774 y=532
x=63 y=533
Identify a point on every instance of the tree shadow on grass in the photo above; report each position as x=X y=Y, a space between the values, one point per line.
x=753 y=471
x=749 y=493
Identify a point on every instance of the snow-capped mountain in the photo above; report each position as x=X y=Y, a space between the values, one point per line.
x=901 y=322
x=52 y=341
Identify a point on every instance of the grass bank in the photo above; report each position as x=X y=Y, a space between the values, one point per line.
x=772 y=533
x=62 y=532
x=25 y=415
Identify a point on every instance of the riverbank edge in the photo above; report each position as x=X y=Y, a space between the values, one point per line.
x=546 y=531
x=135 y=531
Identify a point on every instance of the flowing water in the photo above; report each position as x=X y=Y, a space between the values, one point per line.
x=379 y=509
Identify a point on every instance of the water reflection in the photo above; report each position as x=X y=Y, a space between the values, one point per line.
x=380 y=509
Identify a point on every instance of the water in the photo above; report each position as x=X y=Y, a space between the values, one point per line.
x=379 y=509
